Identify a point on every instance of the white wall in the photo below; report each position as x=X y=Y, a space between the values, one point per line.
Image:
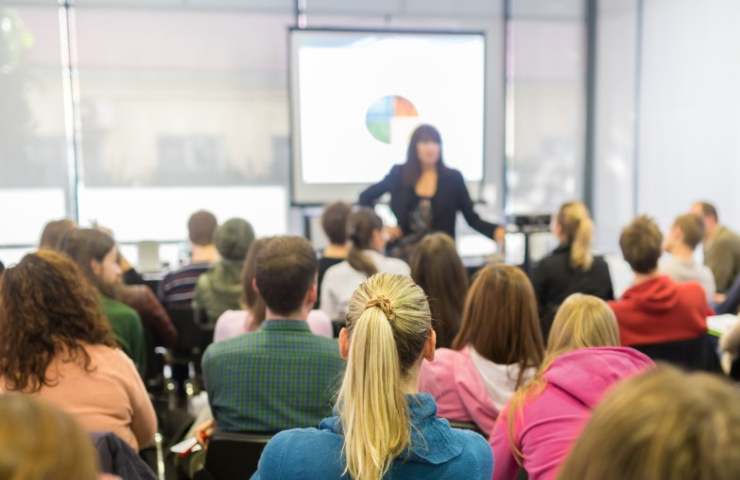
x=680 y=84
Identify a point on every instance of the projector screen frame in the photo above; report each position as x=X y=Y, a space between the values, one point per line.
x=349 y=192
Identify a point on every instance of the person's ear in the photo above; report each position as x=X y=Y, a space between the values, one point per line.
x=430 y=346
x=312 y=295
x=96 y=267
x=254 y=287
x=344 y=343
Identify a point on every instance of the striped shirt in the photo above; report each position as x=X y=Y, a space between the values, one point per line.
x=281 y=376
x=177 y=288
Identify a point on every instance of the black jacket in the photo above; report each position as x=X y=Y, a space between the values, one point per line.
x=452 y=196
x=554 y=279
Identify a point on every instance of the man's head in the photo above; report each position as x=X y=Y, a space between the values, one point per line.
x=334 y=222
x=286 y=275
x=202 y=228
x=687 y=230
x=233 y=239
x=708 y=214
x=641 y=243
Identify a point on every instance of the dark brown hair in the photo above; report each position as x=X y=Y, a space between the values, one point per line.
x=334 y=222
x=47 y=308
x=202 y=227
x=500 y=319
x=41 y=442
x=437 y=268
x=251 y=297
x=641 y=243
x=692 y=228
x=360 y=228
x=412 y=168
x=54 y=231
x=286 y=270
x=83 y=245
x=709 y=210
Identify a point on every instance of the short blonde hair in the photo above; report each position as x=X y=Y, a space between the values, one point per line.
x=40 y=442
x=663 y=424
x=389 y=322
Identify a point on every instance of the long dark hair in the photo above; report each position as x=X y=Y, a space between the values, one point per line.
x=360 y=227
x=412 y=168
x=437 y=268
x=47 y=308
x=84 y=245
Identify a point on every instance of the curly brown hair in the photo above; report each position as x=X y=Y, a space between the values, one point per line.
x=47 y=308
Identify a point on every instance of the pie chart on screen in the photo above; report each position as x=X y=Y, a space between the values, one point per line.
x=390 y=119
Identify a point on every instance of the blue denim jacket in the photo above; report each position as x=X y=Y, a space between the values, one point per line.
x=436 y=450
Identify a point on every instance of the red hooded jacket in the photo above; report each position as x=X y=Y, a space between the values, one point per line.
x=660 y=310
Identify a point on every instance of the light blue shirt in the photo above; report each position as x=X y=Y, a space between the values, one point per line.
x=436 y=450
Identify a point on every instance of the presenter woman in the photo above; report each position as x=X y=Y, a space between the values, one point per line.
x=426 y=195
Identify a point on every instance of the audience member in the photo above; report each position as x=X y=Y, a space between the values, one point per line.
x=96 y=254
x=721 y=247
x=219 y=289
x=334 y=224
x=2 y=269
x=384 y=427
x=54 y=231
x=571 y=267
x=685 y=235
x=655 y=309
x=365 y=259
x=664 y=424
x=498 y=349
x=237 y=322
x=56 y=345
x=543 y=419
x=177 y=288
x=281 y=376
x=39 y=442
x=437 y=268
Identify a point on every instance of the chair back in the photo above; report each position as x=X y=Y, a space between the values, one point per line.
x=698 y=353
x=192 y=336
x=233 y=455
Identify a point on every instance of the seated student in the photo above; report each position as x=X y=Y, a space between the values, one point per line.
x=570 y=268
x=96 y=254
x=177 y=288
x=663 y=424
x=655 y=309
x=219 y=289
x=498 y=349
x=237 y=322
x=2 y=269
x=384 y=428
x=437 y=268
x=365 y=259
x=583 y=360
x=686 y=233
x=721 y=247
x=40 y=442
x=57 y=345
x=281 y=376
x=54 y=231
x=334 y=224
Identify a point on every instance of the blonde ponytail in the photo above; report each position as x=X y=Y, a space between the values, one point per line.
x=388 y=322
x=575 y=223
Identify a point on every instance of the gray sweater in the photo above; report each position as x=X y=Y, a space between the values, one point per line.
x=682 y=271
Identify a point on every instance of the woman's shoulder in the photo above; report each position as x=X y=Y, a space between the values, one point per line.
x=476 y=459
x=291 y=453
x=395 y=266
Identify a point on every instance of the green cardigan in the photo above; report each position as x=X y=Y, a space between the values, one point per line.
x=127 y=329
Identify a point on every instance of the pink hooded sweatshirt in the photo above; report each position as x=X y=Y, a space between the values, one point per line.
x=458 y=389
x=553 y=420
